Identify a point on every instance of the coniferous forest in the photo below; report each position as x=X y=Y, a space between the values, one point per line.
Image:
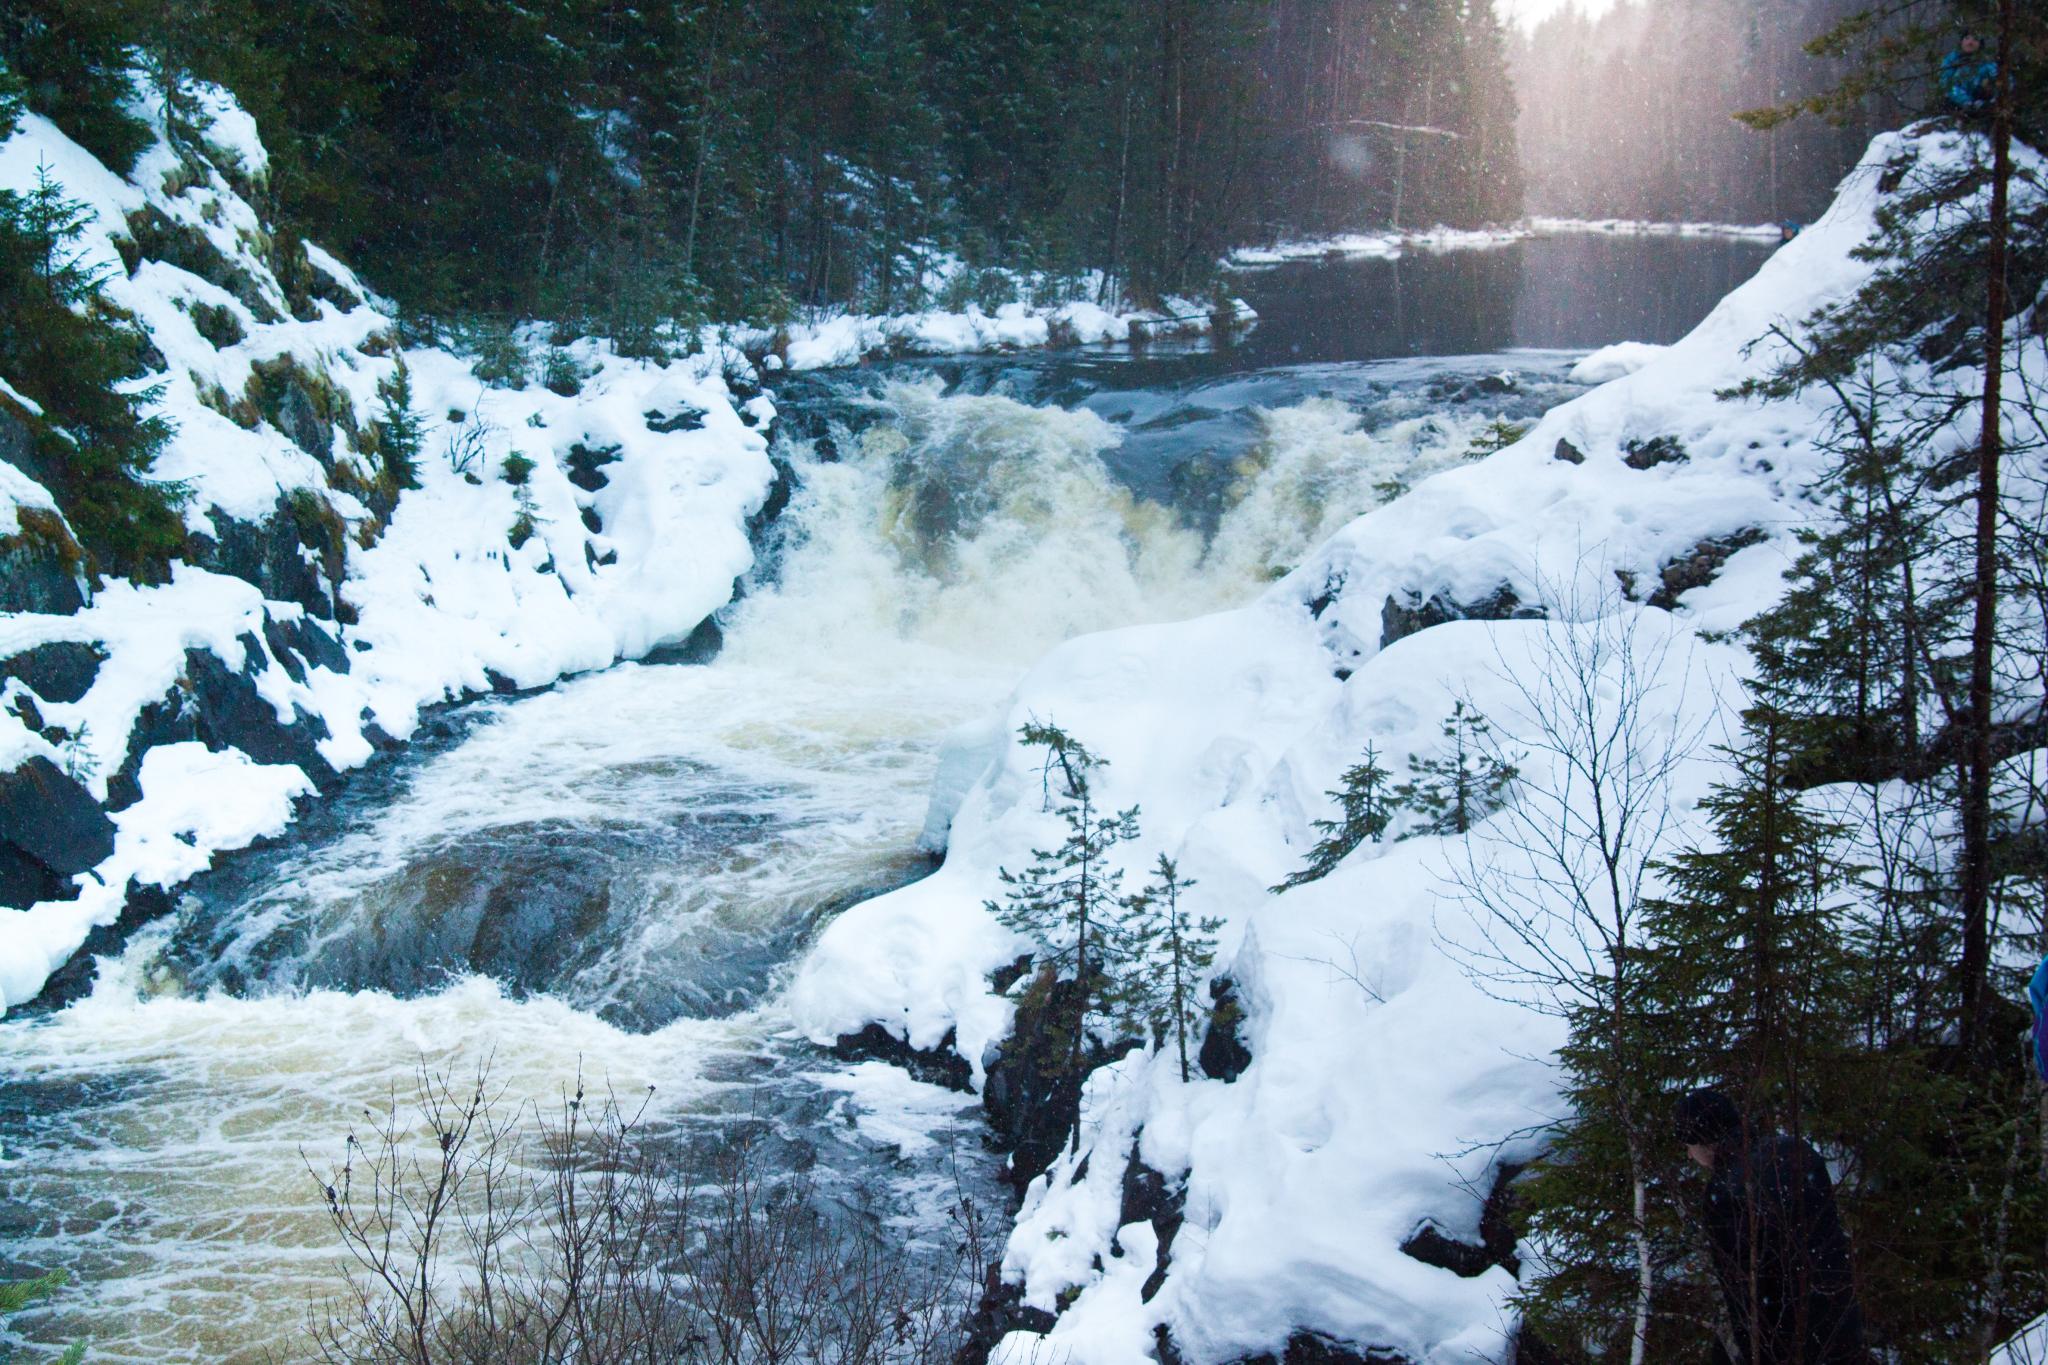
x=586 y=158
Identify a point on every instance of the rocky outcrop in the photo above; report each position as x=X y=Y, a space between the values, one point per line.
x=222 y=709
x=1405 y=613
x=1701 y=565
x=942 y=1065
x=60 y=671
x=1431 y=1245
x=296 y=554
x=51 y=830
x=1224 y=1054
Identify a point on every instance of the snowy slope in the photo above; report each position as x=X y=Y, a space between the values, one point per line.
x=432 y=602
x=1388 y=1086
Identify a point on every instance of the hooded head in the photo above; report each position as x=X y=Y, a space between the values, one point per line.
x=1707 y=1121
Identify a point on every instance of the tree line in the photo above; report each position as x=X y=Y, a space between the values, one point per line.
x=608 y=162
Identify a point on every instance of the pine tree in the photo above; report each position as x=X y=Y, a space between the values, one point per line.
x=16 y=1295
x=1066 y=898
x=64 y=345
x=1366 y=805
x=1167 y=956
x=400 y=430
x=1463 y=785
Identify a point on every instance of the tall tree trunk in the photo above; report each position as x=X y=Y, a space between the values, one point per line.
x=1976 y=878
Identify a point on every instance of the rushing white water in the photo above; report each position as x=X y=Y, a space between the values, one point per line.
x=607 y=877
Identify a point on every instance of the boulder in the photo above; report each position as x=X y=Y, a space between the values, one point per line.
x=1406 y=613
x=60 y=671
x=51 y=826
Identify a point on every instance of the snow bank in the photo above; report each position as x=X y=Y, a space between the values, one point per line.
x=1387 y=1087
x=848 y=339
x=1615 y=362
x=1386 y=245
x=631 y=526
x=1638 y=227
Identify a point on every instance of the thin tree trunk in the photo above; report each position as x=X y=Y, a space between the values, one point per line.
x=706 y=88
x=1976 y=878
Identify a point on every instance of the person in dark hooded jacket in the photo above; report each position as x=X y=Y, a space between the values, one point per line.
x=1776 y=1240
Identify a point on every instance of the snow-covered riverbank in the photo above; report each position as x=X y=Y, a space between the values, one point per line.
x=1390 y=1086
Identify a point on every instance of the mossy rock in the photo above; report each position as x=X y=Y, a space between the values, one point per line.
x=159 y=238
x=218 y=324
x=41 y=565
x=303 y=404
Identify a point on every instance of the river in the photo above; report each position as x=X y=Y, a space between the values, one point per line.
x=612 y=878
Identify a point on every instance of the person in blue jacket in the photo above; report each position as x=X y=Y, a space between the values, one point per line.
x=1969 y=76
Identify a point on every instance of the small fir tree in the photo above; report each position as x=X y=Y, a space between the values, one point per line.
x=1365 y=805
x=1463 y=785
x=1065 y=900
x=1167 y=959
x=400 y=431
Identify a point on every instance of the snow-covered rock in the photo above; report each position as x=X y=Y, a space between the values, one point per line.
x=1390 y=1084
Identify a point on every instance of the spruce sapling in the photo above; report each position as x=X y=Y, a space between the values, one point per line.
x=1168 y=956
x=1064 y=899
x=400 y=432
x=1464 y=785
x=1365 y=805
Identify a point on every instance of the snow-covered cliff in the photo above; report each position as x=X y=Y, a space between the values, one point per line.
x=1336 y=1190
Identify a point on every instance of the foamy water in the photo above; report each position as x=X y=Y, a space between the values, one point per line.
x=611 y=877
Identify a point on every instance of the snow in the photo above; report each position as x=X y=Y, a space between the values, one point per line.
x=1618 y=361
x=1389 y=244
x=2028 y=1346
x=848 y=339
x=1390 y=1082
x=193 y=802
x=1637 y=227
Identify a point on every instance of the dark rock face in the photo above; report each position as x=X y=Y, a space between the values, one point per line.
x=1495 y=1247
x=1406 y=613
x=1149 y=1197
x=1224 y=1054
x=268 y=554
x=39 y=566
x=222 y=710
x=1032 y=1094
x=303 y=426
x=1698 y=567
x=51 y=829
x=586 y=465
x=1653 y=452
x=1314 y=1348
x=1002 y=1310
x=682 y=417
x=1569 y=453
x=942 y=1065
x=61 y=671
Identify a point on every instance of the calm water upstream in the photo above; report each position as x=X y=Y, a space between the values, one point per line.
x=613 y=877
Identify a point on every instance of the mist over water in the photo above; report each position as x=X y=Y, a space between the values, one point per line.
x=612 y=878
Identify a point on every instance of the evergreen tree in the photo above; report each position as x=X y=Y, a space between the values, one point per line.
x=64 y=345
x=1066 y=899
x=1167 y=956
x=1463 y=785
x=1750 y=973
x=400 y=430
x=1366 y=805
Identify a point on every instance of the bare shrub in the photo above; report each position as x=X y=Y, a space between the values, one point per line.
x=481 y=1233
